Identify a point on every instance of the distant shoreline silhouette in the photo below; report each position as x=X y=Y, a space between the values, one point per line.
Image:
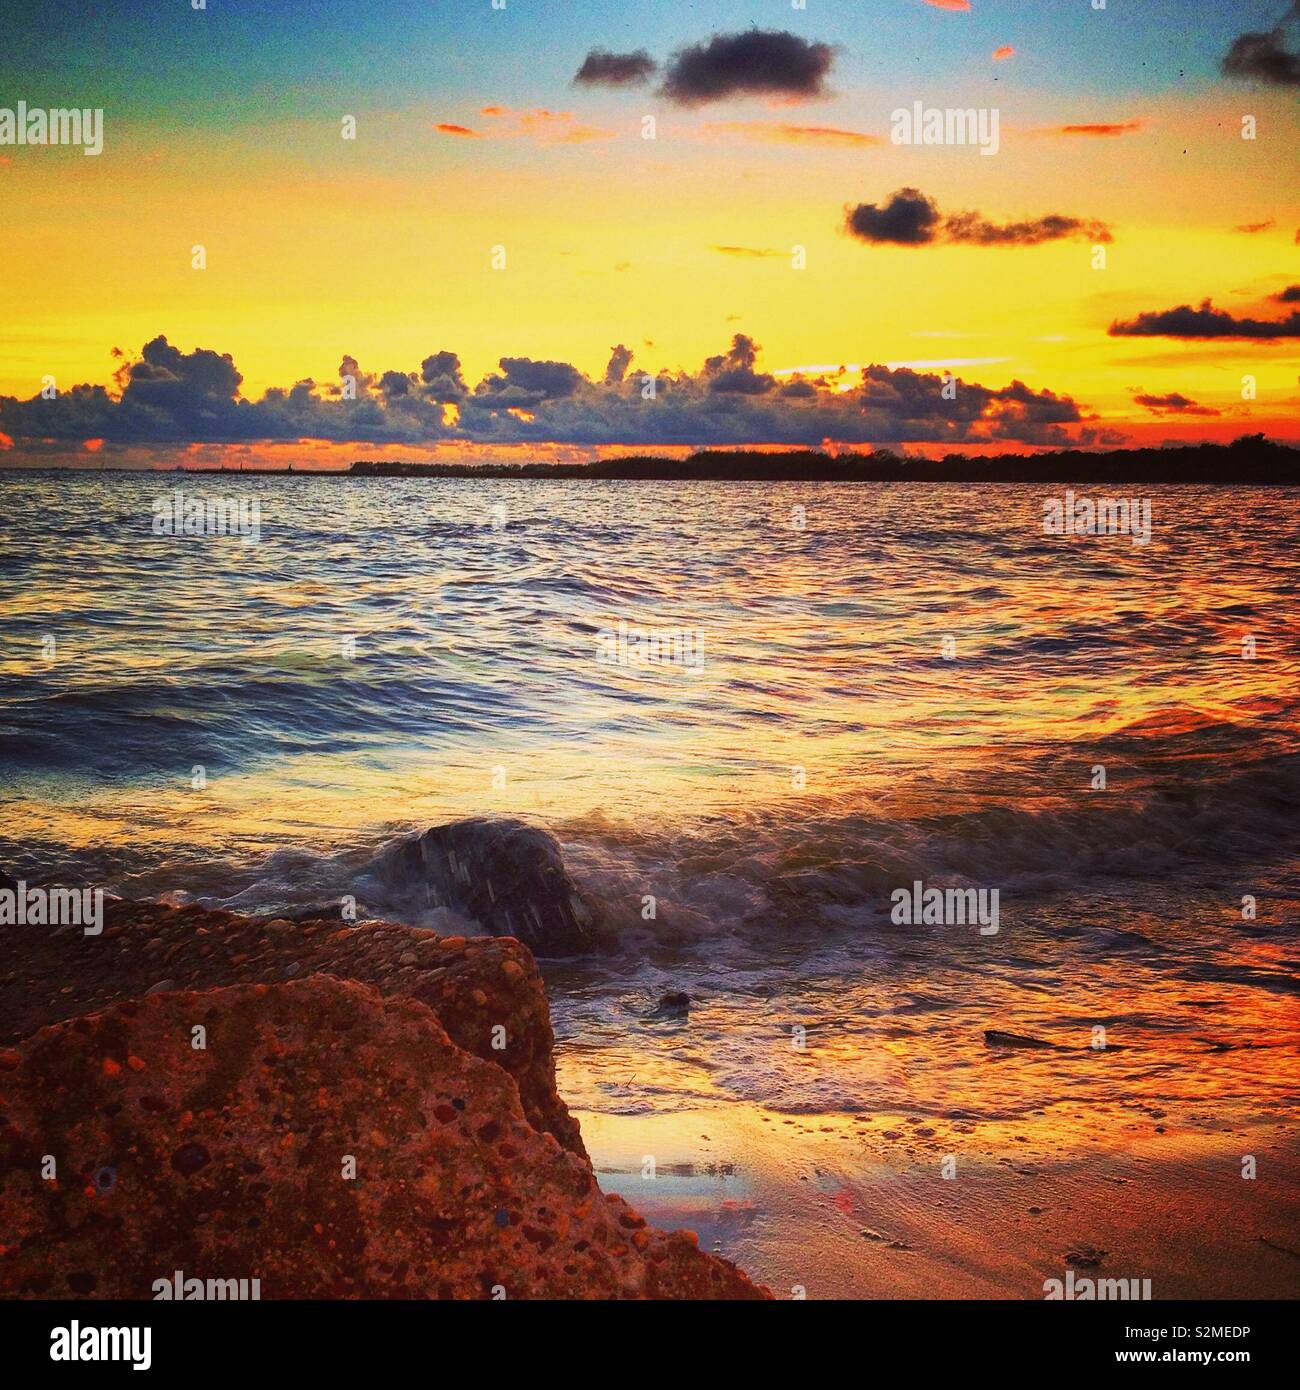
x=1251 y=460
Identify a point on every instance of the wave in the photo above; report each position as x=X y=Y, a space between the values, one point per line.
x=780 y=874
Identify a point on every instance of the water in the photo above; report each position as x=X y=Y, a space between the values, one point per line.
x=392 y=654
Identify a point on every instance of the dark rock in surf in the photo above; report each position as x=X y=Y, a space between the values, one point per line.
x=675 y=1005
x=314 y=912
x=7 y=883
x=506 y=875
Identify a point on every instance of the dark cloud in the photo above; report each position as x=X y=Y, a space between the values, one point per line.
x=619 y=359
x=732 y=373
x=910 y=218
x=1173 y=404
x=396 y=384
x=603 y=69
x=1290 y=295
x=917 y=399
x=1265 y=57
x=440 y=378
x=758 y=62
x=360 y=382
x=973 y=229
x=173 y=398
x=524 y=382
x=1205 y=322
x=180 y=382
x=743 y=352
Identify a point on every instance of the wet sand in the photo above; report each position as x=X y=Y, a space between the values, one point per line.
x=834 y=1206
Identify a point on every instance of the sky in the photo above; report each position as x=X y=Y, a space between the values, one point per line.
x=777 y=267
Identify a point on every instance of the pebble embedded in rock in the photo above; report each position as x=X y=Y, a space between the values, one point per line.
x=189 y=1158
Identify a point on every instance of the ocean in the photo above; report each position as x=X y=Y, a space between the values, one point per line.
x=749 y=714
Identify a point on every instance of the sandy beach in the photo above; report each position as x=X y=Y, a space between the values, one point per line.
x=833 y=1207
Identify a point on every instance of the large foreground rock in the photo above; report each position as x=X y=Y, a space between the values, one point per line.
x=486 y=992
x=232 y=1161
x=506 y=875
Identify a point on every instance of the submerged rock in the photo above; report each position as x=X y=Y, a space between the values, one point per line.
x=675 y=1005
x=506 y=875
x=329 y=1143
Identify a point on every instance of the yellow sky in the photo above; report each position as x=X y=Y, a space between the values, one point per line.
x=615 y=240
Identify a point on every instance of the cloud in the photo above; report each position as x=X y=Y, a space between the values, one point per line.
x=911 y=218
x=757 y=62
x=1205 y=322
x=601 y=68
x=539 y=124
x=166 y=379
x=619 y=359
x=524 y=382
x=779 y=133
x=1172 y=404
x=1014 y=412
x=732 y=372
x=1265 y=57
x=448 y=129
x=1253 y=228
x=1103 y=129
x=763 y=252
x=175 y=399
x=440 y=378
x=1290 y=295
x=396 y=384
x=1002 y=54
x=962 y=5
x=972 y=228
